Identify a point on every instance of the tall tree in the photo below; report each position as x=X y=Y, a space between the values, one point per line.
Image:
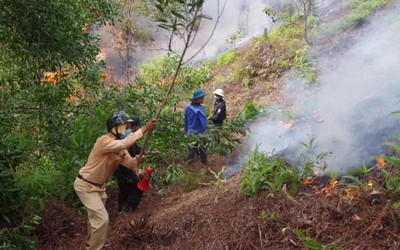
x=181 y=18
x=305 y=9
x=47 y=58
x=302 y=9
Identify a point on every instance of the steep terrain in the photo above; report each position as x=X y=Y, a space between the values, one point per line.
x=217 y=216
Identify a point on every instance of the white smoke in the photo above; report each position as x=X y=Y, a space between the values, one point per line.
x=242 y=19
x=237 y=21
x=350 y=114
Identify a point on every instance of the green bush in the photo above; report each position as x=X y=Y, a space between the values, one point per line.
x=157 y=69
x=193 y=180
x=88 y=126
x=222 y=140
x=14 y=147
x=268 y=57
x=194 y=77
x=360 y=11
x=168 y=136
x=226 y=58
x=263 y=172
x=174 y=174
x=20 y=237
x=10 y=196
x=41 y=181
x=304 y=65
x=392 y=180
x=251 y=110
x=237 y=35
x=160 y=71
x=309 y=165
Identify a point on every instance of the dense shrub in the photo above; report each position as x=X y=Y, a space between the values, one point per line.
x=264 y=172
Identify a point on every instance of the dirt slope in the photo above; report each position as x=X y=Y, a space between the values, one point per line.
x=219 y=217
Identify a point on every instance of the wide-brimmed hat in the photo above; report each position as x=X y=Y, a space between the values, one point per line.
x=198 y=93
x=219 y=92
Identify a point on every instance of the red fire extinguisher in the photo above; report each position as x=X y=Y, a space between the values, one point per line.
x=144 y=184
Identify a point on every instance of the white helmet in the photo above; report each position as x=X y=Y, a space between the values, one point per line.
x=219 y=92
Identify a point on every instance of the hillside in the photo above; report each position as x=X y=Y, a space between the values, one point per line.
x=221 y=218
x=321 y=214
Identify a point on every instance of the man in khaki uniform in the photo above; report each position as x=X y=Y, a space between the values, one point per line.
x=107 y=153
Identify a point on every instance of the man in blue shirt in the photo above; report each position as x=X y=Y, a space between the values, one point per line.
x=196 y=123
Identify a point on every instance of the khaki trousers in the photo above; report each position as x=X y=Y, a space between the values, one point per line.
x=94 y=199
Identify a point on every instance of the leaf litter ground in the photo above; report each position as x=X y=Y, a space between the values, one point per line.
x=219 y=217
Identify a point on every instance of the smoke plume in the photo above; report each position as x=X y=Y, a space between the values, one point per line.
x=237 y=22
x=349 y=115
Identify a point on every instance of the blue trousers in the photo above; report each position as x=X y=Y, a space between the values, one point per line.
x=193 y=150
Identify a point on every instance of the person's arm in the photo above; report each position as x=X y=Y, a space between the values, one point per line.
x=185 y=122
x=202 y=117
x=111 y=145
x=132 y=163
x=213 y=116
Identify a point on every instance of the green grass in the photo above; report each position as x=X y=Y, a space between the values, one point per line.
x=226 y=58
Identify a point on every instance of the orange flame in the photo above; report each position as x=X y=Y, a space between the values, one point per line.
x=78 y=94
x=351 y=193
x=380 y=162
x=308 y=181
x=332 y=185
x=330 y=188
x=50 y=78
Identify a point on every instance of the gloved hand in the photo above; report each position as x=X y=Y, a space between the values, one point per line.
x=150 y=125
